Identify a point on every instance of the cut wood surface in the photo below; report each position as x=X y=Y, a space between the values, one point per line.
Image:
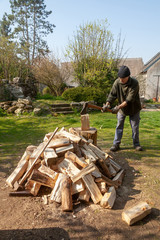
x=109 y=198
x=136 y=213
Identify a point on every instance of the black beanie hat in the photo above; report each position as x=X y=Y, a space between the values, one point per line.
x=123 y=72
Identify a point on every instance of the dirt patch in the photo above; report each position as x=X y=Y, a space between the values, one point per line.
x=29 y=218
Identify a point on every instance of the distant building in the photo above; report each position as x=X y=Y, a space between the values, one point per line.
x=150 y=74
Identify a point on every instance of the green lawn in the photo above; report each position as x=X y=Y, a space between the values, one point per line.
x=16 y=133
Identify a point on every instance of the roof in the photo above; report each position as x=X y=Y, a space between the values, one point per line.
x=135 y=65
x=152 y=61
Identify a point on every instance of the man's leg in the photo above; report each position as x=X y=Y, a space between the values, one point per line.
x=134 y=121
x=119 y=129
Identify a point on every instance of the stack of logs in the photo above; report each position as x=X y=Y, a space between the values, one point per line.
x=69 y=165
x=17 y=107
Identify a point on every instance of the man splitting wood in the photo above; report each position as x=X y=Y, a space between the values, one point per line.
x=126 y=90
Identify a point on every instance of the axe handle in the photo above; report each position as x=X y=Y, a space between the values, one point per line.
x=98 y=107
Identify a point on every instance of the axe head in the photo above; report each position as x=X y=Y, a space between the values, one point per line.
x=84 y=108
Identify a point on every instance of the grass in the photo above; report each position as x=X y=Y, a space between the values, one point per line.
x=16 y=133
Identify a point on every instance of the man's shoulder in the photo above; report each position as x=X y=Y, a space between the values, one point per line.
x=133 y=80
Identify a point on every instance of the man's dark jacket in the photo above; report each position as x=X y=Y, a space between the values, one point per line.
x=128 y=92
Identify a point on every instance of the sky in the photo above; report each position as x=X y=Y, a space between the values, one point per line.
x=137 y=21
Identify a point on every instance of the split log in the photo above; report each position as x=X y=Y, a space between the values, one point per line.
x=37 y=151
x=56 y=194
x=84 y=196
x=88 y=155
x=104 y=168
x=71 y=136
x=37 y=157
x=115 y=165
x=93 y=188
x=90 y=168
x=59 y=142
x=62 y=150
x=99 y=153
x=112 y=170
x=74 y=158
x=49 y=172
x=87 y=148
x=102 y=187
x=42 y=179
x=67 y=167
x=109 y=198
x=77 y=187
x=136 y=213
x=85 y=122
x=49 y=153
x=17 y=173
x=33 y=187
x=119 y=177
x=67 y=205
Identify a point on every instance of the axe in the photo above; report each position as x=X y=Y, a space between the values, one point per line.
x=87 y=105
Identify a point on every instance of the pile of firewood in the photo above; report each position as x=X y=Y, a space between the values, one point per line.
x=70 y=165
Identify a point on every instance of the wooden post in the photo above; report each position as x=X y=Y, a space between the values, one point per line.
x=85 y=122
x=88 y=134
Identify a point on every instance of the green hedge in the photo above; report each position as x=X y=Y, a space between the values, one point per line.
x=79 y=94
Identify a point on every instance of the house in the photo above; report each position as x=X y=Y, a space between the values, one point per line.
x=135 y=65
x=150 y=76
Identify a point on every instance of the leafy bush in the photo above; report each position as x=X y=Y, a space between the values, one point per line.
x=2 y=112
x=48 y=96
x=79 y=94
x=46 y=90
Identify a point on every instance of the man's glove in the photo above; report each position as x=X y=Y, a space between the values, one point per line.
x=115 y=110
x=105 y=106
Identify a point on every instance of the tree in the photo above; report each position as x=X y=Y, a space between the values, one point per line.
x=94 y=54
x=30 y=27
x=52 y=73
x=5 y=25
x=9 y=62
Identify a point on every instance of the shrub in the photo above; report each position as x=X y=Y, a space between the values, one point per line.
x=46 y=90
x=79 y=94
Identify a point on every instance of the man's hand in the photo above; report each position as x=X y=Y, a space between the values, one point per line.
x=105 y=106
x=115 y=110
